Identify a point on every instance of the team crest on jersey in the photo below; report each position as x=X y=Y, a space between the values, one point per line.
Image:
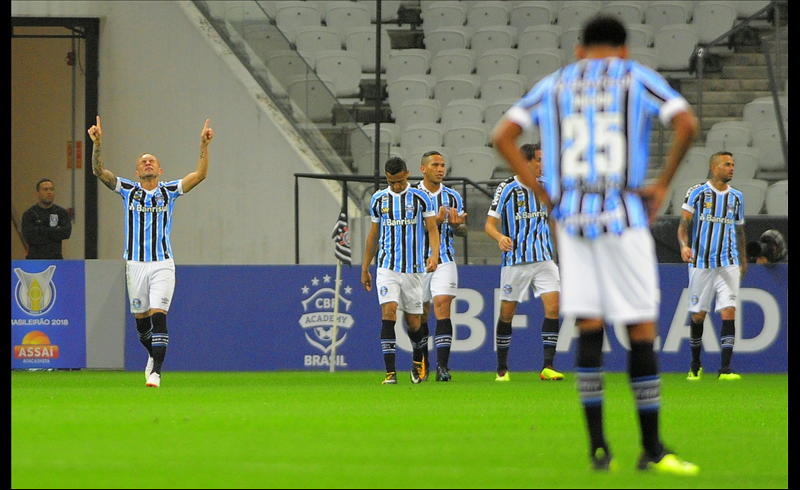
x=159 y=199
x=35 y=293
x=317 y=320
x=410 y=210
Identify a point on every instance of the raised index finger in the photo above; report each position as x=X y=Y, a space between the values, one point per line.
x=206 y=126
x=98 y=121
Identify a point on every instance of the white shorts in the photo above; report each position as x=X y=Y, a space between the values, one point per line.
x=542 y=277
x=150 y=284
x=405 y=289
x=614 y=277
x=442 y=281
x=720 y=284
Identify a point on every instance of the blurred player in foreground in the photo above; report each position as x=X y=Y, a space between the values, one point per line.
x=593 y=118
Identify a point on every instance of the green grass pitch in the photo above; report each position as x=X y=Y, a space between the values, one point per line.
x=105 y=429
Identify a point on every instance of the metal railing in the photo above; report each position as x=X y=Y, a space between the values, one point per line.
x=374 y=184
x=307 y=101
x=771 y=47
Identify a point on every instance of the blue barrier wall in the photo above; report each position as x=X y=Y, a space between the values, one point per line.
x=48 y=316
x=254 y=318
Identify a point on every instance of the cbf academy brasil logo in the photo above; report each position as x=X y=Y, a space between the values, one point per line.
x=35 y=293
x=317 y=320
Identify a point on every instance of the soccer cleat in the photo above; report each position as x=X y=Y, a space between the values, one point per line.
x=154 y=380
x=667 y=464
x=423 y=374
x=550 y=374
x=148 y=370
x=695 y=376
x=729 y=376
x=442 y=374
x=602 y=461
x=502 y=376
x=391 y=379
x=417 y=372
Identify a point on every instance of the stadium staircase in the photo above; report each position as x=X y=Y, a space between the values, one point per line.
x=740 y=77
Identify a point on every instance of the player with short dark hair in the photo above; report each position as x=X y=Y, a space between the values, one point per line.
x=528 y=262
x=403 y=227
x=150 y=268
x=713 y=212
x=593 y=118
x=441 y=285
x=45 y=225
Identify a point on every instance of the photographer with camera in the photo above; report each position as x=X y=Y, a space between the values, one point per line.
x=769 y=249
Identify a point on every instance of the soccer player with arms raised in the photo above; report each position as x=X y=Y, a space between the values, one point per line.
x=150 y=268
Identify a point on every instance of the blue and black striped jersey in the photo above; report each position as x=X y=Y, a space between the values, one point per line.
x=523 y=219
x=148 y=219
x=594 y=119
x=715 y=217
x=402 y=241
x=449 y=198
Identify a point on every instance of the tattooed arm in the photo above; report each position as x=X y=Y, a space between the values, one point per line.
x=199 y=175
x=99 y=170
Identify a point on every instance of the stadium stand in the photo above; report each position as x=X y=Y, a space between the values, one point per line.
x=538 y=36
x=715 y=19
x=501 y=61
x=492 y=37
x=411 y=61
x=475 y=163
x=291 y=15
x=658 y=14
x=461 y=111
x=343 y=16
x=415 y=111
x=674 y=45
x=457 y=61
x=777 y=199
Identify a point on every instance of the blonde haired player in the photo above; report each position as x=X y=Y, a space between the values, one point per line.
x=150 y=268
